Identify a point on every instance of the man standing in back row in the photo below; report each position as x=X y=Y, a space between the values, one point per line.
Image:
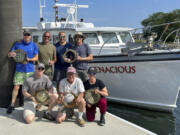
x=47 y=54
x=61 y=66
x=84 y=55
x=23 y=70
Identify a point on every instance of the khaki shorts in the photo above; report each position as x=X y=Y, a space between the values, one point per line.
x=29 y=109
x=19 y=77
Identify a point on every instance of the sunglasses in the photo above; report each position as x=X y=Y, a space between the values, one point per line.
x=62 y=37
x=41 y=68
x=92 y=73
x=27 y=34
x=46 y=36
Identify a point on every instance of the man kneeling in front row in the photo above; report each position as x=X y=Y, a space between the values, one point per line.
x=100 y=88
x=31 y=85
x=67 y=86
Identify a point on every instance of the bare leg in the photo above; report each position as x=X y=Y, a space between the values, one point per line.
x=29 y=119
x=60 y=117
x=52 y=102
x=14 y=94
x=81 y=105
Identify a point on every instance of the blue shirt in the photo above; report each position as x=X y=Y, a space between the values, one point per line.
x=31 y=50
x=60 y=50
x=82 y=51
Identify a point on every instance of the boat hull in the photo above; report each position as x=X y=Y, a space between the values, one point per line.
x=147 y=80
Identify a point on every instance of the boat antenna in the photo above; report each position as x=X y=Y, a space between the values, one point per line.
x=56 y=11
x=41 y=6
x=75 y=18
x=71 y=11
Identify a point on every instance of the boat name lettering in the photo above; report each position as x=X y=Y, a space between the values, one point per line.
x=116 y=69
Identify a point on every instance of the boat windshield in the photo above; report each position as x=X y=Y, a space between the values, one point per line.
x=109 y=38
x=125 y=37
x=91 y=38
x=35 y=39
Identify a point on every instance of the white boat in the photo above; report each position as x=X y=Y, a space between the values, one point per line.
x=148 y=79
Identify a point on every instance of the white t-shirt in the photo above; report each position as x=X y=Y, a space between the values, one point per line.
x=76 y=87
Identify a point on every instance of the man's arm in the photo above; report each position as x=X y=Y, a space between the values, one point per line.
x=60 y=98
x=29 y=96
x=54 y=57
x=89 y=58
x=51 y=62
x=81 y=91
x=35 y=58
x=103 y=92
x=11 y=53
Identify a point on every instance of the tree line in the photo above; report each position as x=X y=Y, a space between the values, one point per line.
x=154 y=21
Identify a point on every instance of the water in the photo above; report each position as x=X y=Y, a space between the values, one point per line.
x=160 y=123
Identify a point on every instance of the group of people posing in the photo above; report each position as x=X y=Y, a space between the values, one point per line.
x=53 y=70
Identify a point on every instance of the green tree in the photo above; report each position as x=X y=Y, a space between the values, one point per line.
x=154 y=21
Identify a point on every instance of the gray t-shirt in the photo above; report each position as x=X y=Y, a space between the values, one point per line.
x=83 y=51
x=32 y=84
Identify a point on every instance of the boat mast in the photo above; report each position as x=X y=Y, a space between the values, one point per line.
x=75 y=14
x=56 y=11
x=41 y=8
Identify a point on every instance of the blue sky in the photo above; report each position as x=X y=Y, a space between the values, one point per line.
x=123 y=13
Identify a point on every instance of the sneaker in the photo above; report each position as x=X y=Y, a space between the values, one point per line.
x=38 y=107
x=70 y=113
x=48 y=116
x=102 y=120
x=81 y=122
x=10 y=109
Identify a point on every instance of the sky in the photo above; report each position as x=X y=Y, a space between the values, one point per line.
x=117 y=13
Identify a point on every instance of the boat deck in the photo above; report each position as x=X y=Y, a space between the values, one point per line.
x=14 y=125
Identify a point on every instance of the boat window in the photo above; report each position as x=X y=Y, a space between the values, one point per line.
x=55 y=39
x=35 y=39
x=110 y=38
x=125 y=37
x=91 y=38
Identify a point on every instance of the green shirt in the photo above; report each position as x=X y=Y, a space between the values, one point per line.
x=47 y=52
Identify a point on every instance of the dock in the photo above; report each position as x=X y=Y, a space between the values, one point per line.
x=14 y=124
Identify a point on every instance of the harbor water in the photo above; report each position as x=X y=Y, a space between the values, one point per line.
x=160 y=123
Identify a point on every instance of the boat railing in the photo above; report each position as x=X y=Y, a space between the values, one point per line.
x=105 y=42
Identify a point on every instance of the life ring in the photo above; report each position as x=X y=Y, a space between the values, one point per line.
x=71 y=55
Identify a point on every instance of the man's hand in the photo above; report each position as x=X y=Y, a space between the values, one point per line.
x=97 y=91
x=51 y=62
x=34 y=100
x=88 y=105
x=67 y=60
x=79 y=58
x=28 y=59
x=11 y=54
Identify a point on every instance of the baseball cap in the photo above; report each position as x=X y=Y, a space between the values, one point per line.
x=71 y=70
x=40 y=65
x=27 y=31
x=92 y=70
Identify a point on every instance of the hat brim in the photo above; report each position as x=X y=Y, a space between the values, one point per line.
x=71 y=72
x=27 y=33
x=79 y=35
